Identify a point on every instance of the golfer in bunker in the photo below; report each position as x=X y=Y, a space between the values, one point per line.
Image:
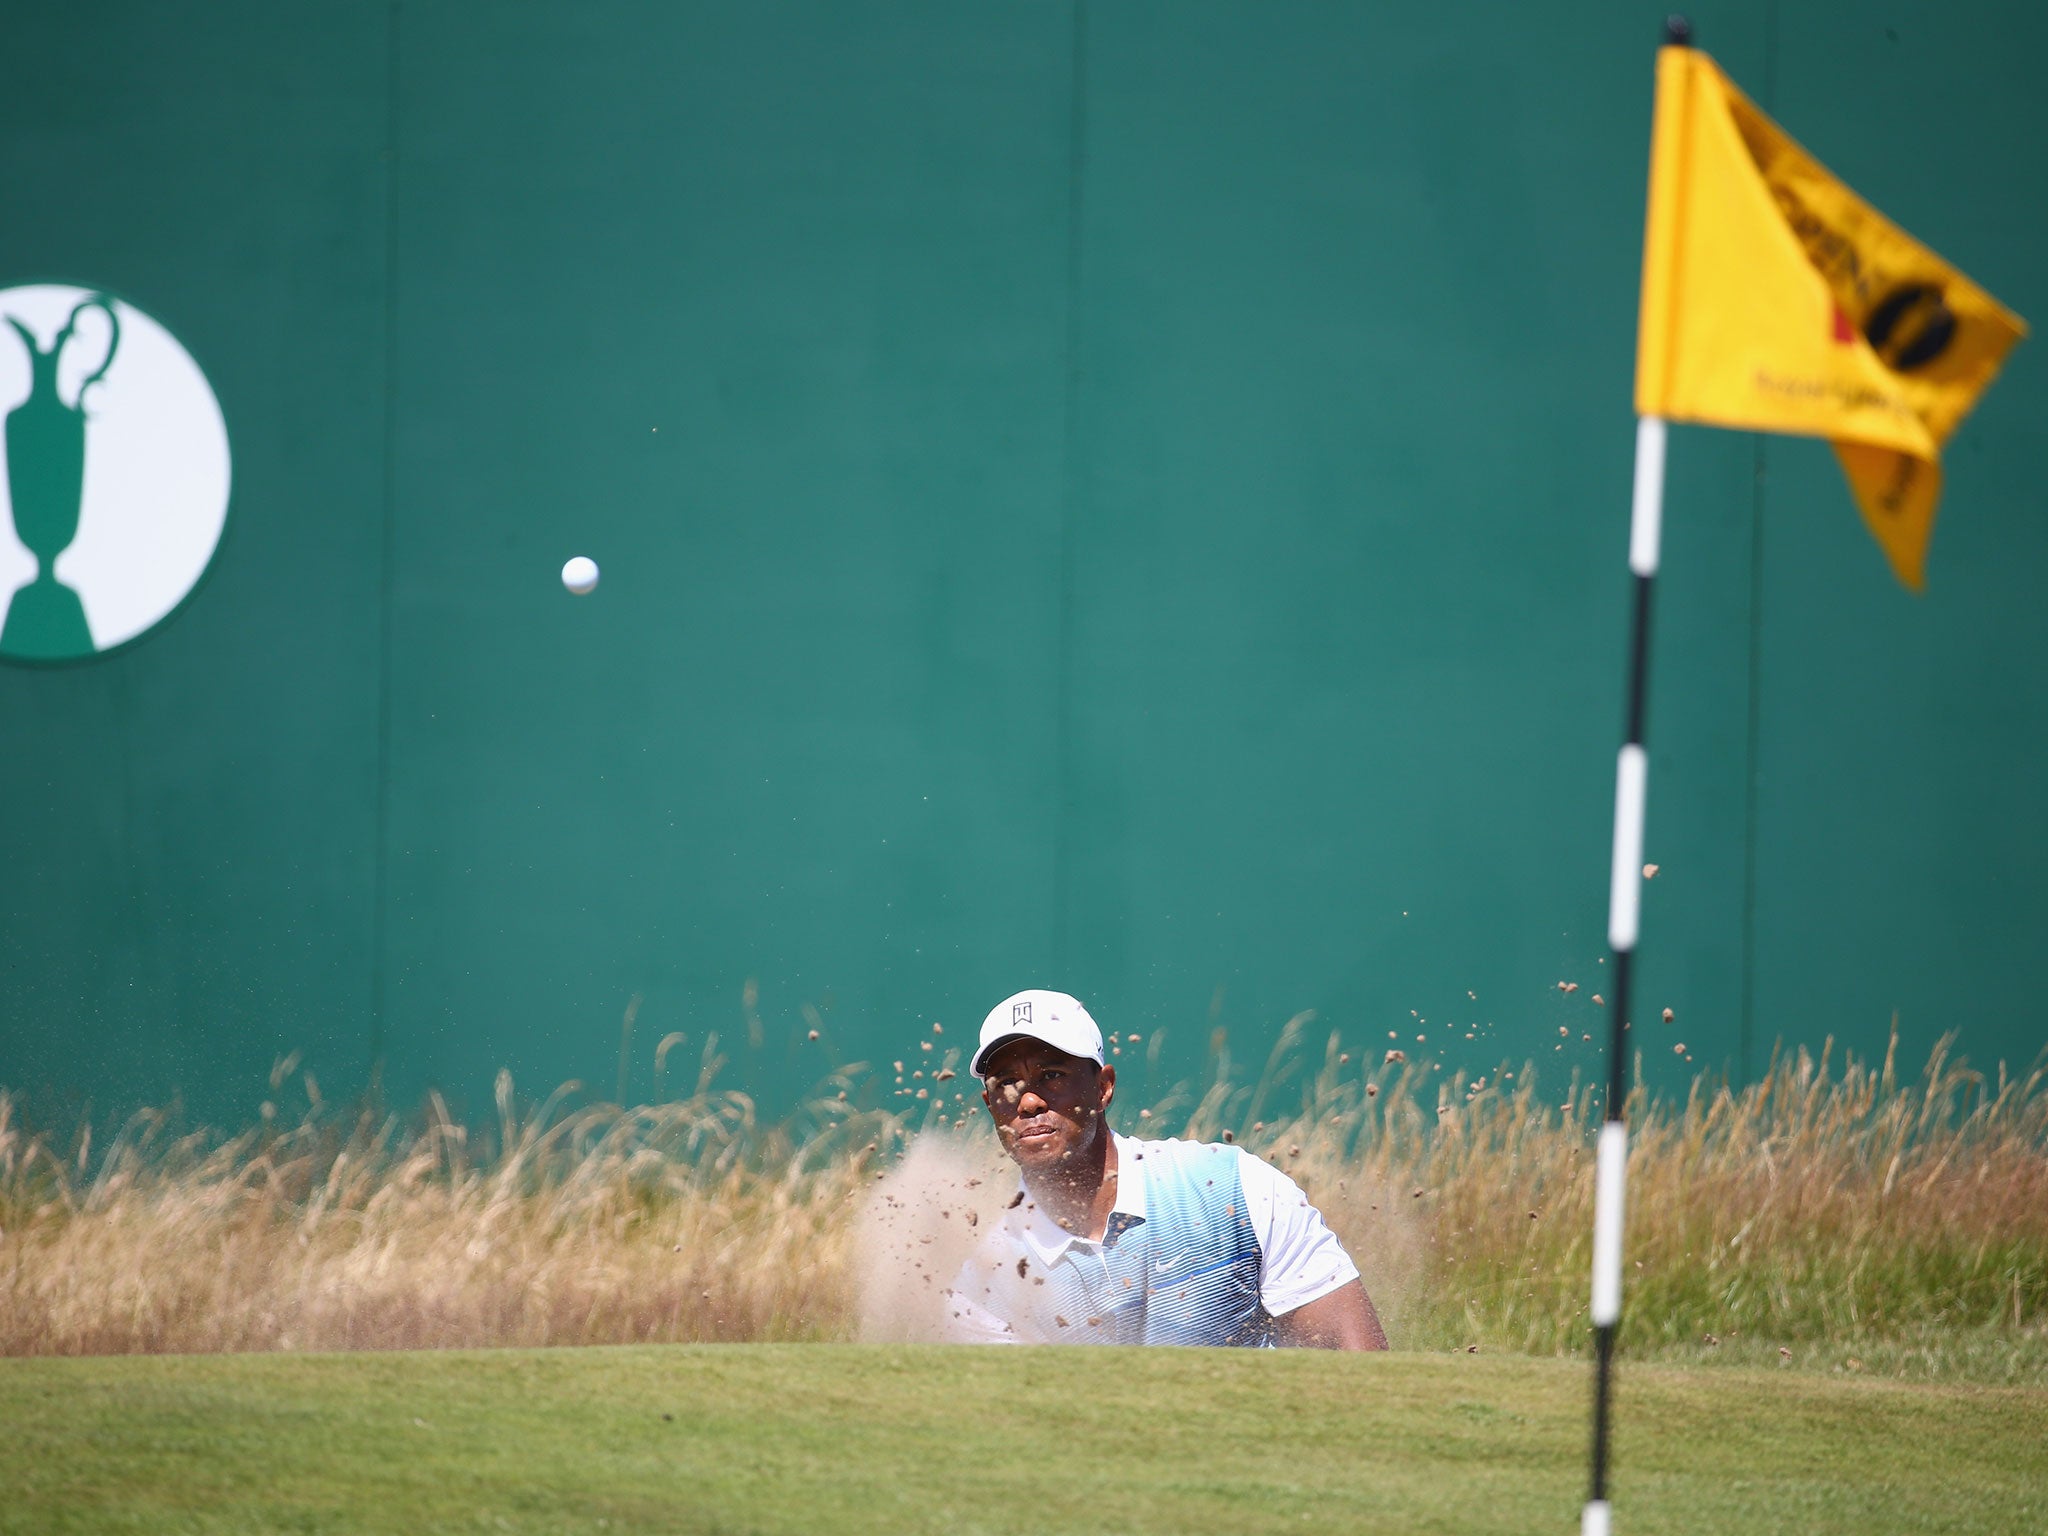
x=1113 y=1240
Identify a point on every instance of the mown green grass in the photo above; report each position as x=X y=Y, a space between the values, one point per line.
x=848 y=1439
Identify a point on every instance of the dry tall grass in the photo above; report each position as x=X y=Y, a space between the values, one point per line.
x=1853 y=1217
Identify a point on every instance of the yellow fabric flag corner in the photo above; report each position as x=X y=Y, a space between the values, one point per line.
x=1776 y=300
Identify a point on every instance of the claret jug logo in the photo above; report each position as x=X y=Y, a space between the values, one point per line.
x=115 y=475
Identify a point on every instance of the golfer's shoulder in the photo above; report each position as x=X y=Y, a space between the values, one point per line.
x=1173 y=1158
x=1215 y=1164
x=1176 y=1152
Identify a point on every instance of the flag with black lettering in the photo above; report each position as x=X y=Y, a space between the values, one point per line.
x=1775 y=299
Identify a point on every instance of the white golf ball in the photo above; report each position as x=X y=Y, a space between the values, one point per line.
x=580 y=575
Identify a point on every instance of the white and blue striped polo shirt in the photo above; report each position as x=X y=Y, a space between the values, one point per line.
x=1206 y=1245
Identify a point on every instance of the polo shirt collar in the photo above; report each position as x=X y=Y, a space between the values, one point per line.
x=1049 y=1241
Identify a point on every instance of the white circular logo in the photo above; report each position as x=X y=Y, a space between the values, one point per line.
x=114 y=475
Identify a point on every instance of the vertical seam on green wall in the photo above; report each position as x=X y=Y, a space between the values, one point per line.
x=1745 y=1037
x=380 y=853
x=1745 y=1029
x=1063 y=670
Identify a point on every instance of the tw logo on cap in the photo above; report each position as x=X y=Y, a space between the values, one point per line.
x=1021 y=1014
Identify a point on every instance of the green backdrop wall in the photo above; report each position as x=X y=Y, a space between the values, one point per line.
x=1113 y=495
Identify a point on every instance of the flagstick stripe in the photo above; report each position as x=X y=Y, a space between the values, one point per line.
x=1646 y=517
x=1609 y=1190
x=1639 y=661
x=1624 y=895
x=1617 y=1054
x=1603 y=1378
x=1595 y=1521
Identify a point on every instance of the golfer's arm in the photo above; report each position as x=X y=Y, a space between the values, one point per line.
x=1344 y=1319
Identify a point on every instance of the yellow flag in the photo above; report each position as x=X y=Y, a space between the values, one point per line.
x=1777 y=300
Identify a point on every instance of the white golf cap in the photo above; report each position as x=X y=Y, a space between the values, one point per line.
x=1057 y=1019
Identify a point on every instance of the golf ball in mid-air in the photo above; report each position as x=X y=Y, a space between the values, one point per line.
x=580 y=575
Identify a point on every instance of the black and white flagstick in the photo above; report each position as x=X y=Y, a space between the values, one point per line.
x=1624 y=910
x=1624 y=919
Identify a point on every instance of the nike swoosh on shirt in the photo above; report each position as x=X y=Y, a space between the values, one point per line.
x=1161 y=1266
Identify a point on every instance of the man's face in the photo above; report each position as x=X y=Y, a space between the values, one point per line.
x=1047 y=1105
